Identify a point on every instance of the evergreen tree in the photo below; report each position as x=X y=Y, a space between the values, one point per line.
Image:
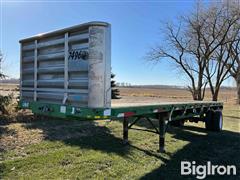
x=115 y=91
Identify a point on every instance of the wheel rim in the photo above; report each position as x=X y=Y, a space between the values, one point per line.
x=220 y=122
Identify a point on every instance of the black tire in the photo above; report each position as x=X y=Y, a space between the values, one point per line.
x=209 y=120
x=177 y=123
x=40 y=117
x=217 y=121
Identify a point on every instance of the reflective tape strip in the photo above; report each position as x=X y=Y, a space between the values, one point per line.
x=127 y=114
x=73 y=110
x=120 y=115
x=63 y=109
x=158 y=110
x=107 y=112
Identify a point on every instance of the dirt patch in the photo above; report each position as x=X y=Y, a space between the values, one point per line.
x=18 y=132
x=16 y=136
x=55 y=129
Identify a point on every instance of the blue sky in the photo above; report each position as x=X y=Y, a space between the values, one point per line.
x=135 y=28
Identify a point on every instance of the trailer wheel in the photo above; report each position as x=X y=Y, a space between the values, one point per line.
x=40 y=117
x=209 y=120
x=217 y=121
x=177 y=123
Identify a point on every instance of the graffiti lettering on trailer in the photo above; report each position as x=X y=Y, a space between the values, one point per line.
x=78 y=55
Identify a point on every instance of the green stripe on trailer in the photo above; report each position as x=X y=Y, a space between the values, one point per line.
x=64 y=111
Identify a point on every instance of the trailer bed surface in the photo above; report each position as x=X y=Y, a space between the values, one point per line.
x=119 y=103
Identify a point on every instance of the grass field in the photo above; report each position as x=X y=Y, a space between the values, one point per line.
x=70 y=149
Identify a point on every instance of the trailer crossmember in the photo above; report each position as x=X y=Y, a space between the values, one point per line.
x=143 y=118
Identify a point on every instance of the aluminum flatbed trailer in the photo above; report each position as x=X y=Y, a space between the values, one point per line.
x=166 y=113
x=67 y=73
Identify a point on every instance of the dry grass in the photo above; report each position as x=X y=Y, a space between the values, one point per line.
x=6 y=89
x=16 y=136
x=226 y=95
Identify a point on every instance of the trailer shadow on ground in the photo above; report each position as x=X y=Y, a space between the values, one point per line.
x=85 y=134
x=219 y=148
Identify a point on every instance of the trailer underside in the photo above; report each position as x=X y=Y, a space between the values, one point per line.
x=165 y=112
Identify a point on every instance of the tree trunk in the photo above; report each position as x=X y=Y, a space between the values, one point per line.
x=199 y=88
x=215 y=95
x=199 y=94
x=195 y=95
x=237 y=79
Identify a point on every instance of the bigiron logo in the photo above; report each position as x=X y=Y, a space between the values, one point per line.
x=202 y=171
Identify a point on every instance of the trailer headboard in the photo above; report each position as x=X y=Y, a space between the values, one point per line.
x=70 y=66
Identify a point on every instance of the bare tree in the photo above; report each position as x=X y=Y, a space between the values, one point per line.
x=199 y=46
x=223 y=28
x=4 y=100
x=234 y=49
x=184 y=46
x=2 y=76
x=234 y=67
x=176 y=50
x=216 y=72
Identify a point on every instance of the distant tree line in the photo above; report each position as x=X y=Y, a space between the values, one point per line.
x=205 y=46
x=114 y=85
x=124 y=84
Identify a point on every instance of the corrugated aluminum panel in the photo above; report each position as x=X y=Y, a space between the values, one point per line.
x=70 y=66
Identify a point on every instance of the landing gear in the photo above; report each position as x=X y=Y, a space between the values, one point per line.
x=161 y=130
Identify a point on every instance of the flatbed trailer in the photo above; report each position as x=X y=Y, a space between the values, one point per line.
x=67 y=73
x=166 y=113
